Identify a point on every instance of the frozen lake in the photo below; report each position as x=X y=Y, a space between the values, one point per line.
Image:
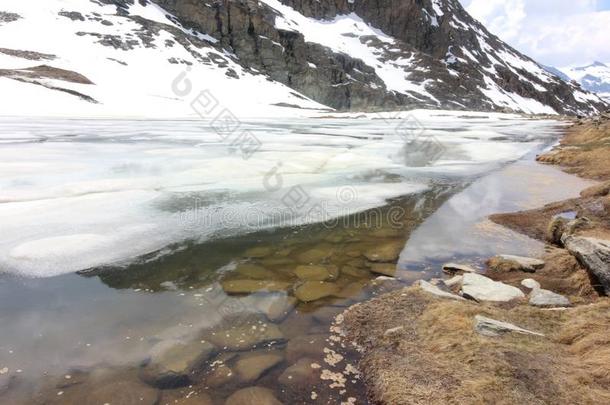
x=121 y=237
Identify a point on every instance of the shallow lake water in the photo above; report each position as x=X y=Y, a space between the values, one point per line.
x=132 y=272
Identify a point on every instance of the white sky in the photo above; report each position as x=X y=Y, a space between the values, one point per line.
x=553 y=32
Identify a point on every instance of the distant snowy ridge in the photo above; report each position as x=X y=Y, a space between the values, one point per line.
x=594 y=77
x=264 y=58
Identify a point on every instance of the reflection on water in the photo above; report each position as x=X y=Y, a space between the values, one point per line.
x=209 y=319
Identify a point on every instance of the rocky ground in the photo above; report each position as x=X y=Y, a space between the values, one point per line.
x=529 y=330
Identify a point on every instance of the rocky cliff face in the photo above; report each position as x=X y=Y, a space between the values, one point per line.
x=359 y=55
x=382 y=54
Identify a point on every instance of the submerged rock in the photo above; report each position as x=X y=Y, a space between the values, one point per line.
x=454 y=268
x=219 y=376
x=507 y=263
x=314 y=290
x=252 y=286
x=315 y=255
x=275 y=306
x=385 y=253
x=491 y=327
x=316 y=273
x=258 y=252
x=384 y=269
x=253 y=396
x=594 y=255
x=306 y=346
x=254 y=271
x=250 y=367
x=482 y=288
x=172 y=363
x=300 y=374
x=244 y=335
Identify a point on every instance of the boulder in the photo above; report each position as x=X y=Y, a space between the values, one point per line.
x=314 y=290
x=490 y=327
x=482 y=288
x=547 y=299
x=172 y=362
x=455 y=268
x=594 y=255
x=253 y=396
x=250 y=367
x=252 y=286
x=385 y=253
x=435 y=290
x=508 y=263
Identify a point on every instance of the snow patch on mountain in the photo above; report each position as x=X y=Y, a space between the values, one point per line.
x=594 y=77
x=132 y=57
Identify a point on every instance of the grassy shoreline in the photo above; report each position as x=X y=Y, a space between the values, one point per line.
x=419 y=348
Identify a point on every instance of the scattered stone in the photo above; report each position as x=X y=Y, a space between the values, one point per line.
x=547 y=299
x=250 y=367
x=530 y=283
x=385 y=253
x=252 y=286
x=305 y=346
x=383 y=268
x=435 y=290
x=316 y=273
x=314 y=290
x=454 y=281
x=490 y=327
x=454 y=268
x=594 y=255
x=482 y=288
x=508 y=263
x=253 y=396
x=300 y=374
x=245 y=335
x=172 y=362
x=393 y=331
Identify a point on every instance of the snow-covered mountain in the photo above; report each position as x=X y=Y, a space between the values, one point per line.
x=594 y=78
x=153 y=58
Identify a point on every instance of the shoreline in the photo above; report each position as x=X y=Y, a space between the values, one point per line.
x=428 y=344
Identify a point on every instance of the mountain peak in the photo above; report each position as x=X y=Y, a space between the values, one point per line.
x=342 y=54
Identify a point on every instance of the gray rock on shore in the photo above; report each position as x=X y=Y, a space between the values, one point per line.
x=593 y=254
x=482 y=288
x=515 y=263
x=492 y=328
x=435 y=290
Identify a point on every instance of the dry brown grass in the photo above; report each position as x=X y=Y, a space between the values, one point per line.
x=437 y=358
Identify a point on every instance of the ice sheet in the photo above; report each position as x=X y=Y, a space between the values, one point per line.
x=77 y=194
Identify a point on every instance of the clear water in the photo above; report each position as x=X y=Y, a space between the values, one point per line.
x=118 y=237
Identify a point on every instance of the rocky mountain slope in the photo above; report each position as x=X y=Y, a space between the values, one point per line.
x=262 y=56
x=594 y=78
